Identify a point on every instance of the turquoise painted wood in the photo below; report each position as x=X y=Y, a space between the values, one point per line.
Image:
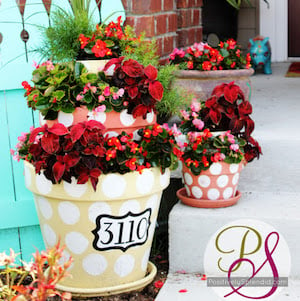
x=19 y=228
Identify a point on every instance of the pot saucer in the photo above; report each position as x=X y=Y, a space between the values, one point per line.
x=202 y=203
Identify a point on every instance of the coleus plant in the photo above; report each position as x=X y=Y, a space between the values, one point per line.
x=202 y=57
x=140 y=84
x=227 y=109
x=84 y=152
x=202 y=149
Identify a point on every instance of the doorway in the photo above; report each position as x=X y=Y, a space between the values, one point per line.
x=293 y=28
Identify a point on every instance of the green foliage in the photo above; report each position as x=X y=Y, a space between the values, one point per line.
x=60 y=40
x=173 y=98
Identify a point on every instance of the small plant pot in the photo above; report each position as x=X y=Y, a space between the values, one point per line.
x=217 y=184
x=114 y=122
x=108 y=232
x=202 y=83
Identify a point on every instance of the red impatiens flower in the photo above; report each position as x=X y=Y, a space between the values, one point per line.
x=131 y=164
x=83 y=40
x=158 y=284
x=100 y=49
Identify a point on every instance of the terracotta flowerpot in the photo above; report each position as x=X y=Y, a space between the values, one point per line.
x=214 y=186
x=114 y=122
x=202 y=83
x=108 y=232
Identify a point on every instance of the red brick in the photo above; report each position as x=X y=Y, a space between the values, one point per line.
x=199 y=3
x=191 y=3
x=169 y=5
x=198 y=35
x=185 y=18
x=182 y=3
x=182 y=38
x=168 y=44
x=196 y=17
x=146 y=7
x=191 y=36
x=159 y=42
x=161 y=24
x=172 y=22
x=126 y=4
x=145 y=24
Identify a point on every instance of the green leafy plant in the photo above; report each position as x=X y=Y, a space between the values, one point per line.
x=237 y=3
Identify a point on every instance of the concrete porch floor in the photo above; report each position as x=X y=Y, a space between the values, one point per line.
x=270 y=192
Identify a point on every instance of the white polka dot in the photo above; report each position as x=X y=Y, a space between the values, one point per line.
x=94 y=264
x=145 y=181
x=234 y=168
x=222 y=181
x=73 y=189
x=145 y=259
x=113 y=186
x=65 y=118
x=42 y=119
x=150 y=117
x=165 y=178
x=187 y=190
x=45 y=207
x=49 y=235
x=97 y=209
x=213 y=194
x=227 y=193
x=43 y=185
x=100 y=116
x=27 y=175
x=153 y=202
x=110 y=71
x=204 y=181
x=69 y=213
x=110 y=134
x=136 y=136
x=64 y=258
x=197 y=192
x=76 y=242
x=235 y=178
x=215 y=168
x=126 y=119
x=124 y=265
x=188 y=178
x=130 y=206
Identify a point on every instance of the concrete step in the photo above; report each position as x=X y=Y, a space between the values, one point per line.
x=197 y=290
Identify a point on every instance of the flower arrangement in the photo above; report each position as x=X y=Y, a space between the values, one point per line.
x=203 y=57
x=83 y=152
x=63 y=87
x=35 y=280
x=107 y=41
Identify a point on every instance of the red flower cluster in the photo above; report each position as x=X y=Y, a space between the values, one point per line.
x=139 y=83
x=203 y=57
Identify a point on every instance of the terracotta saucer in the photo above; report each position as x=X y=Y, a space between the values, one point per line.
x=201 y=203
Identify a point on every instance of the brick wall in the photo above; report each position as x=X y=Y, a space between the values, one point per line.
x=174 y=23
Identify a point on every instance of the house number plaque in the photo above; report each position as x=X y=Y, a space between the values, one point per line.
x=121 y=232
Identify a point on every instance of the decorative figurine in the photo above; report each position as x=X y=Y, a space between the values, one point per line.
x=260 y=51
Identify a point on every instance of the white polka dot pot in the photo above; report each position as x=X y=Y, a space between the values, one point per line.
x=108 y=232
x=94 y=66
x=217 y=183
x=114 y=122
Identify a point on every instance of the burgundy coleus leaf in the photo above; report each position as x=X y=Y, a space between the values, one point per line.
x=132 y=68
x=133 y=92
x=94 y=176
x=236 y=125
x=215 y=116
x=211 y=102
x=94 y=125
x=58 y=129
x=77 y=131
x=151 y=72
x=245 y=108
x=139 y=110
x=35 y=132
x=58 y=170
x=249 y=126
x=218 y=91
x=156 y=90
x=50 y=143
x=231 y=93
x=229 y=112
x=130 y=81
x=71 y=160
x=115 y=61
x=83 y=178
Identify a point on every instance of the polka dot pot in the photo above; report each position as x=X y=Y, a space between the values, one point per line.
x=114 y=122
x=108 y=232
x=219 y=182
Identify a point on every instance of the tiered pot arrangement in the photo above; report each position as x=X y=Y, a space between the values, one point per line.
x=216 y=146
x=203 y=67
x=97 y=167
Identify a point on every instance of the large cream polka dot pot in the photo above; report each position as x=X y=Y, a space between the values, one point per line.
x=108 y=232
x=219 y=182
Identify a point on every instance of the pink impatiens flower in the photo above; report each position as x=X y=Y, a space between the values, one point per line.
x=100 y=109
x=177 y=52
x=199 y=124
x=185 y=114
x=234 y=147
x=106 y=91
x=195 y=106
